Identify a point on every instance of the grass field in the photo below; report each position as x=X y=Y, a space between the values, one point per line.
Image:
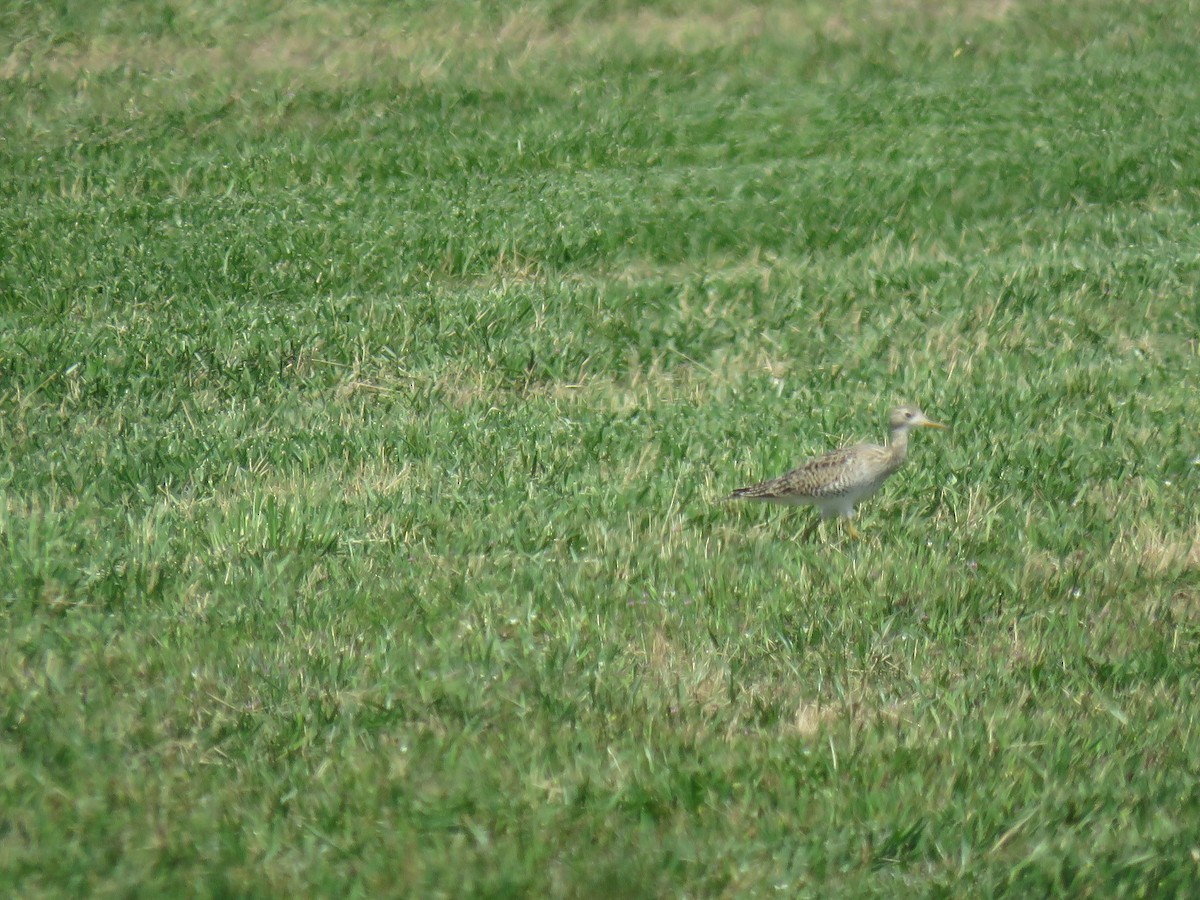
x=371 y=375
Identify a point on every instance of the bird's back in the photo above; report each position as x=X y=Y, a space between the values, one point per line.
x=833 y=474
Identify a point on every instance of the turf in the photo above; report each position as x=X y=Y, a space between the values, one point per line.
x=371 y=375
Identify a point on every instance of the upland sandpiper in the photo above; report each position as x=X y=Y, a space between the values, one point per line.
x=837 y=482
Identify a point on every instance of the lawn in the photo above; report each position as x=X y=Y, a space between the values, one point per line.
x=372 y=375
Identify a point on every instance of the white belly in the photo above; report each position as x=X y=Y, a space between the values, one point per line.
x=843 y=504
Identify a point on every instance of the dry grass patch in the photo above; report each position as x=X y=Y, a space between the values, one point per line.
x=1184 y=605
x=316 y=40
x=853 y=17
x=813 y=717
x=1042 y=565
x=698 y=680
x=1159 y=553
x=701 y=681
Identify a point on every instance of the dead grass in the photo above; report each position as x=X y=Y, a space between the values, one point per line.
x=812 y=718
x=1159 y=553
x=700 y=681
x=307 y=40
x=1146 y=548
x=853 y=17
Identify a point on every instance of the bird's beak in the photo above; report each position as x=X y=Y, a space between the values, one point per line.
x=929 y=423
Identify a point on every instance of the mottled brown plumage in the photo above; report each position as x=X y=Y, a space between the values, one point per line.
x=836 y=482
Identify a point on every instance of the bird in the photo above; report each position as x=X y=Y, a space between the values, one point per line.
x=836 y=482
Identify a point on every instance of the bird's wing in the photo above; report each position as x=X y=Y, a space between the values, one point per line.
x=811 y=478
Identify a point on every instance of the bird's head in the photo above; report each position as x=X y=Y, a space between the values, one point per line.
x=905 y=417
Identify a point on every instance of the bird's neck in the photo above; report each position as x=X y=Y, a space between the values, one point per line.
x=898 y=446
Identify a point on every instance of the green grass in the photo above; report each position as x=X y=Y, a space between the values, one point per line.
x=370 y=376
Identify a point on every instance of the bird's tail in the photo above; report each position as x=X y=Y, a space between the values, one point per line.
x=754 y=492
